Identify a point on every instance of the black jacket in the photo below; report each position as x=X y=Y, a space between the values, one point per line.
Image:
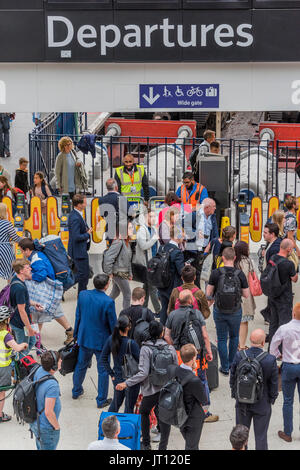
x=118 y=211
x=194 y=394
x=270 y=378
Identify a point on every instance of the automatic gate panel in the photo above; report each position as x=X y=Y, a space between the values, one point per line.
x=53 y=221
x=98 y=222
x=225 y=222
x=256 y=219
x=273 y=205
x=8 y=202
x=34 y=224
x=19 y=226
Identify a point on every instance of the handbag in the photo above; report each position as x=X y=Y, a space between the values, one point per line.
x=69 y=356
x=254 y=282
x=130 y=366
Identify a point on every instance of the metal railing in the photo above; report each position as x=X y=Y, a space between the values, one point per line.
x=256 y=168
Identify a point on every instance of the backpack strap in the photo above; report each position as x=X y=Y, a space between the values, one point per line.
x=144 y=313
x=261 y=356
x=195 y=289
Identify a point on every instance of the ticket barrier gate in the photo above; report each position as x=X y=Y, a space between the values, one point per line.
x=242 y=218
x=33 y=224
x=98 y=223
x=59 y=225
x=256 y=219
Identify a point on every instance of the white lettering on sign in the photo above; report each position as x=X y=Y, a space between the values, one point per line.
x=296 y=94
x=132 y=35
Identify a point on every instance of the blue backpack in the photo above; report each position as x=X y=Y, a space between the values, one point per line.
x=55 y=251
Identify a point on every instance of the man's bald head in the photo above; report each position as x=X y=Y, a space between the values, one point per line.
x=258 y=337
x=286 y=246
x=296 y=311
x=185 y=297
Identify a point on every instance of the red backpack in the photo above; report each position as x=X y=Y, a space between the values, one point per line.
x=195 y=302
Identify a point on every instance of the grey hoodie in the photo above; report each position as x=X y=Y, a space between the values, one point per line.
x=144 y=368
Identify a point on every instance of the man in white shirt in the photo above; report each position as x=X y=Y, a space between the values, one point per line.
x=111 y=429
x=287 y=338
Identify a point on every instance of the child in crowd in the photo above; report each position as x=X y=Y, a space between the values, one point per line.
x=21 y=177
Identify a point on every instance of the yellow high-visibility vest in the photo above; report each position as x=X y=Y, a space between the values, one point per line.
x=131 y=186
x=5 y=353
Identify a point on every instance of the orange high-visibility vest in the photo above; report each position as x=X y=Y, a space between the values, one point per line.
x=193 y=197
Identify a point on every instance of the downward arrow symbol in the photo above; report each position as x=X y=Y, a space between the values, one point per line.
x=151 y=99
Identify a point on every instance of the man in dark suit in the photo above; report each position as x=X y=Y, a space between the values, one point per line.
x=95 y=322
x=114 y=208
x=261 y=411
x=194 y=396
x=176 y=266
x=79 y=241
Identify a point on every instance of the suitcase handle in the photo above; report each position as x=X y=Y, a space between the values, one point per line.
x=121 y=438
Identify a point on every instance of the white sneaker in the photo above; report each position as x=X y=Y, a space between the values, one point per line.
x=156 y=437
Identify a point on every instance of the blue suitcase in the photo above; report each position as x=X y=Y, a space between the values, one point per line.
x=130 y=434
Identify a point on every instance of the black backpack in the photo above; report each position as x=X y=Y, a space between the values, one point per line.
x=141 y=330
x=158 y=269
x=161 y=359
x=270 y=281
x=228 y=295
x=24 y=397
x=171 y=404
x=248 y=386
x=191 y=331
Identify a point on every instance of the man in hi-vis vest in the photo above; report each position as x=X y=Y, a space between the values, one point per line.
x=131 y=179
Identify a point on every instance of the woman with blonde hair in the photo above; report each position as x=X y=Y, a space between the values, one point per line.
x=8 y=234
x=69 y=170
x=278 y=219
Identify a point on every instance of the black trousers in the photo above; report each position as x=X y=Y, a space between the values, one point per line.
x=191 y=433
x=280 y=313
x=146 y=406
x=260 y=423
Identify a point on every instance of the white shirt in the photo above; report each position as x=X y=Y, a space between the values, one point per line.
x=107 y=444
x=289 y=336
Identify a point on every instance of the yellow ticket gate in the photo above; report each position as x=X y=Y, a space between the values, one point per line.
x=256 y=219
x=53 y=221
x=33 y=224
x=8 y=202
x=273 y=205
x=98 y=222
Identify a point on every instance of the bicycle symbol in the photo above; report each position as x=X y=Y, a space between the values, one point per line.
x=194 y=91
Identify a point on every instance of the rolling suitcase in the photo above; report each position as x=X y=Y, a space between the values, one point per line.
x=130 y=434
x=212 y=372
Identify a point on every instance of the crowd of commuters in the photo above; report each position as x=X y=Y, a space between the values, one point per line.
x=184 y=235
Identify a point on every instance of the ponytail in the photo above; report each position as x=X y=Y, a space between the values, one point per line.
x=116 y=338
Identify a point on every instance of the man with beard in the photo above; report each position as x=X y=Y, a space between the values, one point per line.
x=132 y=179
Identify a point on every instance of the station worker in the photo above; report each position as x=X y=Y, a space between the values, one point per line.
x=191 y=192
x=132 y=179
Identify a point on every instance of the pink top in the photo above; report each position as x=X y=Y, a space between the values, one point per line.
x=289 y=336
x=186 y=207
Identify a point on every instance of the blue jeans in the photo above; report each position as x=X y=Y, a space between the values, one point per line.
x=84 y=358
x=48 y=438
x=290 y=375
x=228 y=326
x=22 y=338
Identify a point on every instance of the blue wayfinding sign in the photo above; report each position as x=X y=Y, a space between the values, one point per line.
x=179 y=96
